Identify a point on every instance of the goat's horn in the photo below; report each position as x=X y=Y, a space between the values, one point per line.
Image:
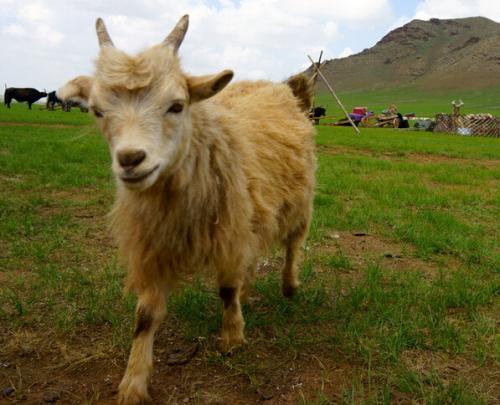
x=102 y=33
x=175 y=37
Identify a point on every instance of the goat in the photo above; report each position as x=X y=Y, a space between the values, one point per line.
x=67 y=105
x=205 y=180
x=75 y=93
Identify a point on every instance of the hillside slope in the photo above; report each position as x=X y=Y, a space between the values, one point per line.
x=435 y=54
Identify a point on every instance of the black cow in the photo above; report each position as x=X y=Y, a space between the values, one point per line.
x=30 y=95
x=316 y=113
x=53 y=100
x=403 y=121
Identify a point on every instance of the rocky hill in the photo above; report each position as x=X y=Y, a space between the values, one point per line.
x=436 y=54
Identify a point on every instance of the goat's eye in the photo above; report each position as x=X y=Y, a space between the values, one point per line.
x=97 y=113
x=176 y=108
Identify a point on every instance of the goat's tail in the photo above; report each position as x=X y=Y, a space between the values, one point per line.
x=302 y=88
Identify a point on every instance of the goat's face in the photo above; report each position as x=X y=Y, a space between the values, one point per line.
x=143 y=106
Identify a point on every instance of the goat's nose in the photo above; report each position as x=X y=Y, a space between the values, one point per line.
x=129 y=159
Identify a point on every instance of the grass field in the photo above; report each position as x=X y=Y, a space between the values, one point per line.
x=399 y=302
x=407 y=99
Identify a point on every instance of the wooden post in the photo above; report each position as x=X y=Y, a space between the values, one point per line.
x=318 y=64
x=334 y=95
x=456 y=114
x=314 y=79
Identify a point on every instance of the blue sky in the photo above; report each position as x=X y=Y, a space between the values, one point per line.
x=50 y=41
x=402 y=7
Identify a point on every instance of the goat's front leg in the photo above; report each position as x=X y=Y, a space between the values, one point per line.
x=233 y=324
x=149 y=313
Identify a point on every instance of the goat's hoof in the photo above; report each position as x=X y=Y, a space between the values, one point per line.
x=289 y=290
x=229 y=346
x=133 y=392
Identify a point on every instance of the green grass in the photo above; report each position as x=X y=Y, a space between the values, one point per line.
x=53 y=157
x=408 y=99
x=19 y=113
x=433 y=197
x=398 y=144
x=432 y=205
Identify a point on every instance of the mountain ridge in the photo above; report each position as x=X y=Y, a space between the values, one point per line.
x=435 y=54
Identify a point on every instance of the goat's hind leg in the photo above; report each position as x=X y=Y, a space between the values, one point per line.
x=149 y=313
x=290 y=274
x=247 y=286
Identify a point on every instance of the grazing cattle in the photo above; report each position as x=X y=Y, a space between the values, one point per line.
x=316 y=113
x=206 y=179
x=28 y=94
x=402 y=122
x=53 y=100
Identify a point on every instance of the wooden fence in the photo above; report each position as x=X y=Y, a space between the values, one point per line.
x=470 y=124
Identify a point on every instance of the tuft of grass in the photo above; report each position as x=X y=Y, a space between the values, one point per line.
x=198 y=310
x=338 y=261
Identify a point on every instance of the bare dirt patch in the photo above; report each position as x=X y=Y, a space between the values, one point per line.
x=79 y=368
x=425 y=158
x=11 y=179
x=36 y=125
x=454 y=367
x=362 y=249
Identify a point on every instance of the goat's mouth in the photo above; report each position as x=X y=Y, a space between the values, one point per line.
x=137 y=177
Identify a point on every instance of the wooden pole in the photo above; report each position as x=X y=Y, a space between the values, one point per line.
x=314 y=80
x=334 y=95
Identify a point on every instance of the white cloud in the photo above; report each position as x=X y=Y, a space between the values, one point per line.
x=34 y=26
x=33 y=12
x=345 y=53
x=458 y=8
x=50 y=41
x=330 y=29
x=14 y=30
x=48 y=35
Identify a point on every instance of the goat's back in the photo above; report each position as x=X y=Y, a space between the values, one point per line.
x=277 y=153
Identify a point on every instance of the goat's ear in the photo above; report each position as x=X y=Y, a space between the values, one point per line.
x=77 y=88
x=203 y=87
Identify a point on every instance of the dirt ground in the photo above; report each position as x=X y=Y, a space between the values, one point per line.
x=424 y=158
x=69 y=372
x=83 y=368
